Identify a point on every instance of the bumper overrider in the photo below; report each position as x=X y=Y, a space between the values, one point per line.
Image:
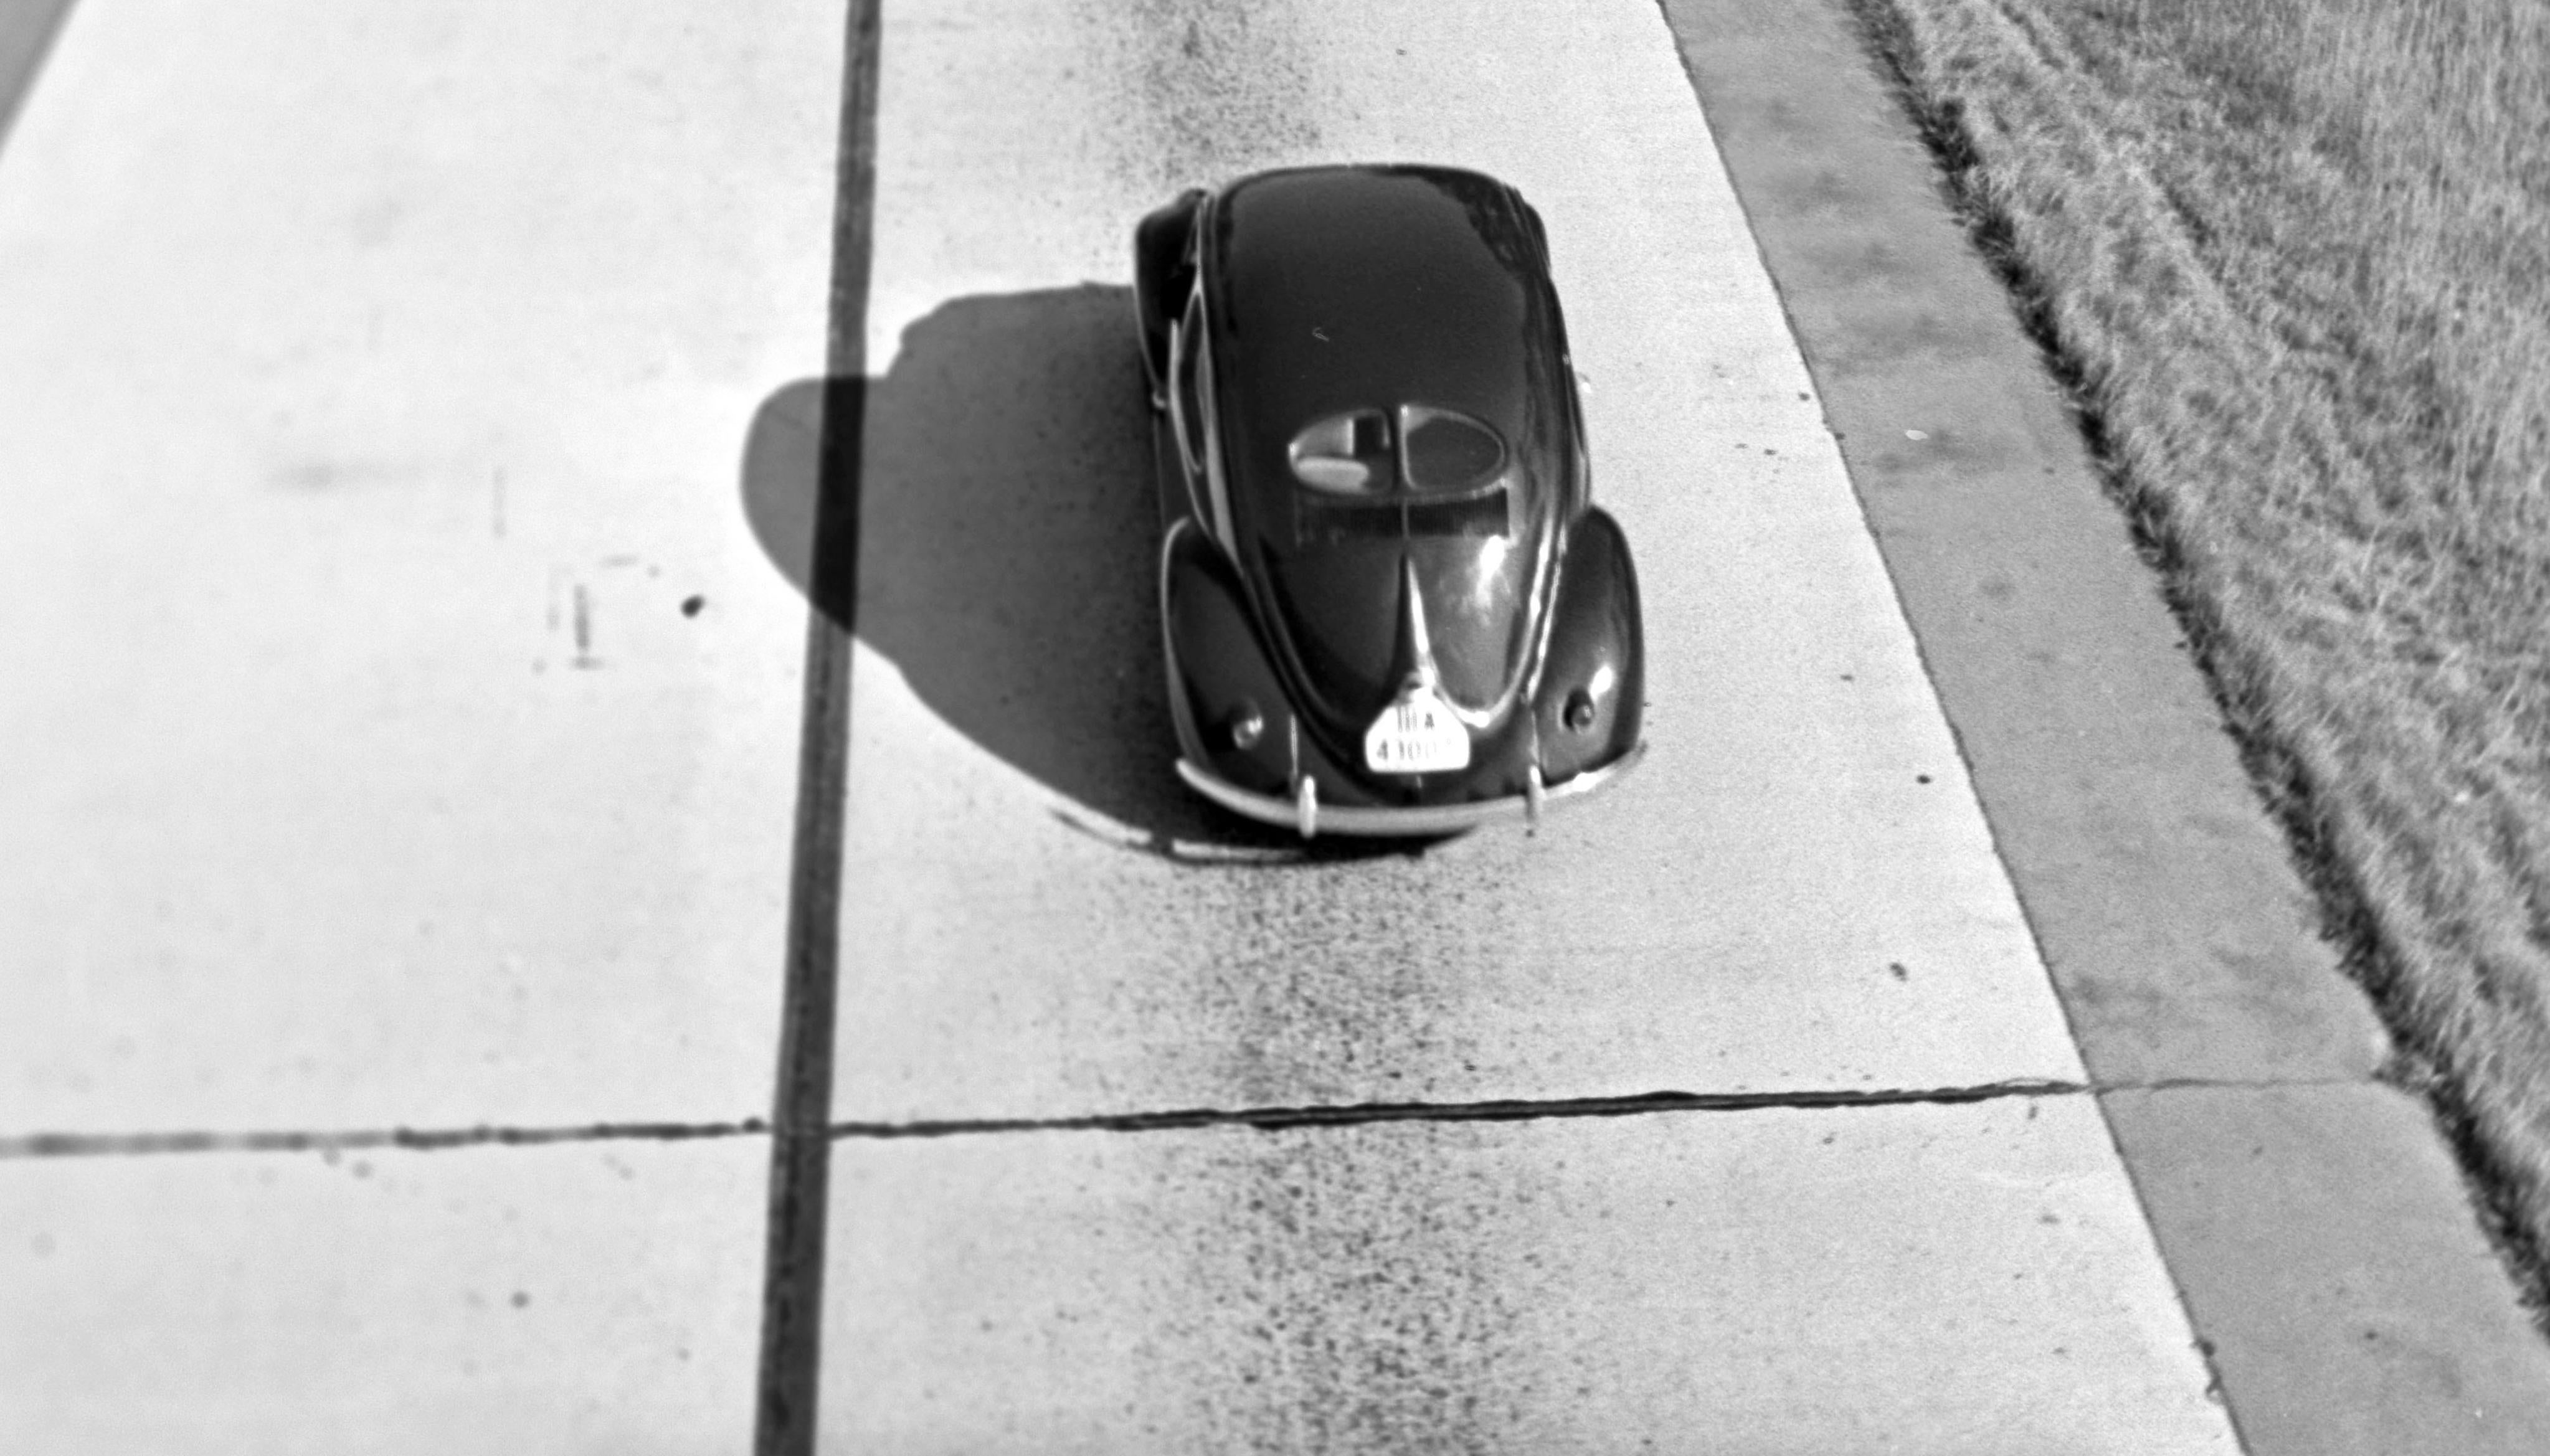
x=1243 y=747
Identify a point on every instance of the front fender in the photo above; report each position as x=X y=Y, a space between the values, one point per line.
x=1218 y=670
x=1161 y=278
x=1597 y=650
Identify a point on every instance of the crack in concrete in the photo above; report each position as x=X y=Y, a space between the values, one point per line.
x=1280 y=1118
x=2236 y=1084
x=420 y=1139
x=1263 y=1118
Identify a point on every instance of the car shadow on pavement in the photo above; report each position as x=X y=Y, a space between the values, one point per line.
x=1008 y=554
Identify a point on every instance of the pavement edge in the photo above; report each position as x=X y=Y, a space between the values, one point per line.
x=2318 y=1230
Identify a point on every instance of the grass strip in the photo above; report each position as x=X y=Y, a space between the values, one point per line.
x=2292 y=260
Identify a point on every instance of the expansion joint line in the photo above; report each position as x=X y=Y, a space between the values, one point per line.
x=1519 y=1110
x=1264 y=1118
x=785 y=1418
x=362 y=1139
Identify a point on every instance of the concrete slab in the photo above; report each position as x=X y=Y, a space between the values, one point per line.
x=410 y=730
x=2163 y=899
x=2301 y=1206
x=2349 y=1310
x=1795 y=891
x=568 y=1299
x=1916 y=1280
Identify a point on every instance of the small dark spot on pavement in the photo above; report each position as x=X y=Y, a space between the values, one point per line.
x=1920 y=778
x=521 y=1298
x=1901 y=974
x=692 y=606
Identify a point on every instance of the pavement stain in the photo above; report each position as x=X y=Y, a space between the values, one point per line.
x=1369 y=1290
x=1209 y=91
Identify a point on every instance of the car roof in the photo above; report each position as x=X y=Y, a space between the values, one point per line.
x=1340 y=288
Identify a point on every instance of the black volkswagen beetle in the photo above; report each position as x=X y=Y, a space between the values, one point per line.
x=1388 y=604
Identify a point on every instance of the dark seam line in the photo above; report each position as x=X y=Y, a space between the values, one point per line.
x=2236 y=1084
x=433 y=1139
x=784 y=1418
x=420 y=1139
x=1273 y=1119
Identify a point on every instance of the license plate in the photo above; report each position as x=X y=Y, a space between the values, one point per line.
x=1416 y=734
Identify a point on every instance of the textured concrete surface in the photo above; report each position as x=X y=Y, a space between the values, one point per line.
x=1795 y=891
x=399 y=718
x=1027 y=928
x=2317 y=1229
x=1929 y=1281
x=416 y=748
x=2350 y=1306
x=377 y=379
x=589 y=1297
x=2163 y=899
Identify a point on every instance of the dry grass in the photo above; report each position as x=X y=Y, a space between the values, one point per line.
x=2294 y=256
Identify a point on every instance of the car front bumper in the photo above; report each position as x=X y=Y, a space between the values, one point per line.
x=1310 y=817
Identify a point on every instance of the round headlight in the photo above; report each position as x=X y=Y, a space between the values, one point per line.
x=1579 y=716
x=1246 y=725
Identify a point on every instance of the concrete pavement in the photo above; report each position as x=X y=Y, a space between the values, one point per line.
x=1796 y=893
x=1916 y=1279
x=400 y=715
x=437 y=771
x=369 y=446
x=2314 y=1219
x=589 y=1296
